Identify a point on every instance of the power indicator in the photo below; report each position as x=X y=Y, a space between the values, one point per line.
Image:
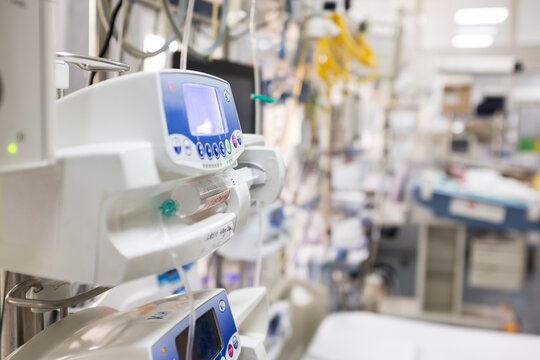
x=12 y=148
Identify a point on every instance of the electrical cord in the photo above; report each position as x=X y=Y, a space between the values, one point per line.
x=105 y=18
x=219 y=39
x=3 y=300
x=256 y=74
x=186 y=34
x=107 y=41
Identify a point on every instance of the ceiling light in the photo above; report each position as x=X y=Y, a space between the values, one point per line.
x=481 y=16
x=482 y=29
x=467 y=41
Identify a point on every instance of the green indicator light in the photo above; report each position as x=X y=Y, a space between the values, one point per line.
x=168 y=208
x=12 y=148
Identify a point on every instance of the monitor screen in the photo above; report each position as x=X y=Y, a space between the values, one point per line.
x=239 y=76
x=204 y=110
x=207 y=343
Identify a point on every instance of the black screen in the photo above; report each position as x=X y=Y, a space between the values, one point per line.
x=207 y=342
x=239 y=76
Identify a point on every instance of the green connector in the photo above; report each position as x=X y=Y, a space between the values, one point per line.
x=266 y=99
x=168 y=208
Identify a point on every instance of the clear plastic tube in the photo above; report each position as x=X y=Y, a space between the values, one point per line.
x=187 y=286
x=219 y=39
x=258 y=130
x=186 y=35
x=128 y=47
x=256 y=75
x=260 y=239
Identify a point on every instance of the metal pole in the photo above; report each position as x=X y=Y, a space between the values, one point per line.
x=19 y=324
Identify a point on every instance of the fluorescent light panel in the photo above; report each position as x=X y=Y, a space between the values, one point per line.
x=470 y=41
x=481 y=16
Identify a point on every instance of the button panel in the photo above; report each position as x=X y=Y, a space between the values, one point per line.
x=210 y=154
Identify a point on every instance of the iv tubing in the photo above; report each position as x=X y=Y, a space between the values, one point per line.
x=186 y=35
x=128 y=47
x=256 y=74
x=187 y=287
x=258 y=264
x=221 y=34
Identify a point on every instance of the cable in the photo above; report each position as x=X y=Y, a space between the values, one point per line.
x=260 y=240
x=120 y=41
x=3 y=300
x=221 y=35
x=186 y=35
x=105 y=45
x=185 y=282
x=256 y=74
x=128 y=47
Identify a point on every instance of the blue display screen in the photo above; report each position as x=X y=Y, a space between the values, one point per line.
x=207 y=342
x=204 y=110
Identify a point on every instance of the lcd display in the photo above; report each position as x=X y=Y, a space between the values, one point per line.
x=207 y=343
x=204 y=110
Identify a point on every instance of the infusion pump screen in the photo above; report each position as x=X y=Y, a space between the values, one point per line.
x=207 y=342
x=204 y=110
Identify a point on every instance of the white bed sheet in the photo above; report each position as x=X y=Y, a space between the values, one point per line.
x=362 y=335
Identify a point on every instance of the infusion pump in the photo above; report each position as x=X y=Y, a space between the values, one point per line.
x=146 y=164
x=155 y=331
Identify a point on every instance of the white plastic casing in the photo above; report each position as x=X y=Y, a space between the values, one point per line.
x=133 y=108
x=27 y=89
x=144 y=333
x=94 y=217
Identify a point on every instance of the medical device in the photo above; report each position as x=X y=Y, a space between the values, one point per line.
x=152 y=172
x=26 y=85
x=155 y=331
x=130 y=154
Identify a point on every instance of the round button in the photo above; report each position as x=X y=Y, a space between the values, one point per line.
x=222 y=148
x=200 y=150
x=239 y=138
x=230 y=350
x=228 y=145
x=187 y=147
x=235 y=341
x=175 y=142
x=216 y=150
x=222 y=305
x=226 y=95
x=235 y=144
x=208 y=151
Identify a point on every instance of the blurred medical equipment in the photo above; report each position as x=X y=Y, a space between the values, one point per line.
x=151 y=172
x=148 y=187
x=26 y=132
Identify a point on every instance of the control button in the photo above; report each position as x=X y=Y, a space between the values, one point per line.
x=239 y=138
x=216 y=150
x=175 y=142
x=230 y=350
x=208 y=151
x=226 y=95
x=187 y=147
x=200 y=150
x=234 y=141
x=222 y=306
x=223 y=358
x=228 y=145
x=235 y=341
x=222 y=148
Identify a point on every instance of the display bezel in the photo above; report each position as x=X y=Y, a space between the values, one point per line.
x=182 y=338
